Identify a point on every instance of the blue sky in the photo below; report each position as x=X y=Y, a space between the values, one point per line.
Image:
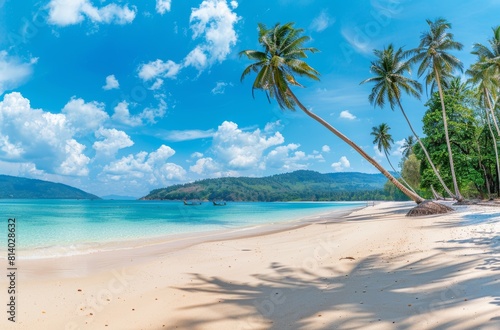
x=121 y=97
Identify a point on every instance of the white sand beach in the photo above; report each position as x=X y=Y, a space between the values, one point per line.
x=372 y=269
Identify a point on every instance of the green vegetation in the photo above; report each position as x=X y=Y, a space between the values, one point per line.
x=295 y=186
x=22 y=188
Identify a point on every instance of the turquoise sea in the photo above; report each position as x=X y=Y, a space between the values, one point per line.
x=76 y=224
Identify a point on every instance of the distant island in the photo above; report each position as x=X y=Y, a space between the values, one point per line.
x=22 y=188
x=295 y=186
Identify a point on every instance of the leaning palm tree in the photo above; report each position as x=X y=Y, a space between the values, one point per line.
x=390 y=83
x=408 y=145
x=436 y=61
x=277 y=65
x=383 y=139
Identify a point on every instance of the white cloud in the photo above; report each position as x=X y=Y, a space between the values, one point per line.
x=84 y=117
x=205 y=166
x=213 y=21
x=187 y=135
x=322 y=21
x=113 y=140
x=157 y=84
x=76 y=162
x=122 y=115
x=242 y=150
x=162 y=6
x=286 y=158
x=42 y=139
x=220 y=87
x=325 y=148
x=341 y=165
x=158 y=69
x=347 y=115
x=13 y=72
x=196 y=155
x=148 y=115
x=151 y=115
x=378 y=153
x=398 y=151
x=69 y=12
x=111 y=83
x=273 y=126
x=143 y=168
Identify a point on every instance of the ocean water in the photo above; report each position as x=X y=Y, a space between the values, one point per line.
x=76 y=224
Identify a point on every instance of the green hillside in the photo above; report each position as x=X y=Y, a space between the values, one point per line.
x=22 y=188
x=295 y=186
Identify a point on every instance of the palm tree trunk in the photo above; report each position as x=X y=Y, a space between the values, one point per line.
x=490 y=106
x=415 y=197
x=496 y=151
x=458 y=196
x=448 y=191
x=404 y=181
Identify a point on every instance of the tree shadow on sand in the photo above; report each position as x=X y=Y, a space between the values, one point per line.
x=288 y=297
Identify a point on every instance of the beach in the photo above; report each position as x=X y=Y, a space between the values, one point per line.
x=371 y=269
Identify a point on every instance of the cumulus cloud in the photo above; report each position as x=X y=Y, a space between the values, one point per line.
x=42 y=139
x=206 y=166
x=84 y=117
x=242 y=150
x=158 y=69
x=196 y=155
x=213 y=21
x=13 y=71
x=122 y=115
x=341 y=165
x=149 y=115
x=112 y=141
x=347 y=115
x=325 y=148
x=69 y=12
x=150 y=168
x=398 y=151
x=322 y=21
x=162 y=6
x=111 y=83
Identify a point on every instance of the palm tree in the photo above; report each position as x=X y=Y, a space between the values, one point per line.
x=436 y=61
x=390 y=82
x=383 y=139
x=488 y=65
x=480 y=74
x=408 y=145
x=276 y=67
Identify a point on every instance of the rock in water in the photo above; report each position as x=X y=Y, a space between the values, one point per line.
x=428 y=208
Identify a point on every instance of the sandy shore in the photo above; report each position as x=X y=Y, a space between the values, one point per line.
x=372 y=269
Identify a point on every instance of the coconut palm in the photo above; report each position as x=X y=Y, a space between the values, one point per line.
x=436 y=62
x=383 y=139
x=408 y=145
x=488 y=65
x=490 y=56
x=390 y=82
x=487 y=83
x=277 y=65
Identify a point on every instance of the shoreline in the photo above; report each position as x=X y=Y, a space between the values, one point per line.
x=176 y=240
x=372 y=269
x=116 y=254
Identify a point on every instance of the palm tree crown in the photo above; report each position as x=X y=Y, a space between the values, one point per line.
x=389 y=79
x=433 y=51
x=490 y=57
x=382 y=137
x=280 y=61
x=408 y=145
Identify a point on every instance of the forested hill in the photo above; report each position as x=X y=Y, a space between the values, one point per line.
x=16 y=187
x=295 y=186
